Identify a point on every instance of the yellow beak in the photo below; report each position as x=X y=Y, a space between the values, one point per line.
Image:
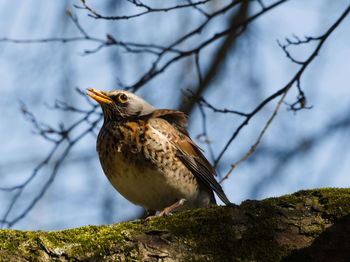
x=99 y=96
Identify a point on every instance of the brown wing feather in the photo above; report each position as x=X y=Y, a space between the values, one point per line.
x=189 y=153
x=177 y=119
x=193 y=158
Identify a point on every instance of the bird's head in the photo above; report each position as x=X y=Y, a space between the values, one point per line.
x=120 y=104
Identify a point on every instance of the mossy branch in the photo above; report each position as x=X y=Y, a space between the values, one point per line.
x=312 y=225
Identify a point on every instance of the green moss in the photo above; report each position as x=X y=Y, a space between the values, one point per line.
x=88 y=241
x=259 y=239
x=95 y=238
x=336 y=202
x=193 y=223
x=199 y=229
x=332 y=202
x=210 y=232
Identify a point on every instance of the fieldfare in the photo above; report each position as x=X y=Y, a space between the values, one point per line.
x=149 y=158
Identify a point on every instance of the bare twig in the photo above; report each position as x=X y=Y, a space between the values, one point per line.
x=149 y=10
x=155 y=69
x=294 y=80
x=257 y=142
x=63 y=139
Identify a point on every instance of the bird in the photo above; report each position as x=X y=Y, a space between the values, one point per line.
x=149 y=157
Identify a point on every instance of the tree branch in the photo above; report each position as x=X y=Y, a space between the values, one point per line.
x=309 y=225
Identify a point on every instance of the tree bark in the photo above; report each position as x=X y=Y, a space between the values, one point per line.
x=311 y=225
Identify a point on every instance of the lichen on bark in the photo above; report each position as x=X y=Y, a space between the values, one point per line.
x=296 y=227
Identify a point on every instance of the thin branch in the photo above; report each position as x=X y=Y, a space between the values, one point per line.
x=200 y=10
x=205 y=103
x=257 y=142
x=75 y=20
x=52 y=176
x=204 y=133
x=149 y=10
x=280 y=92
x=155 y=70
x=303 y=147
x=63 y=135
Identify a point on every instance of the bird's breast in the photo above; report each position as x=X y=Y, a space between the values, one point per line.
x=139 y=180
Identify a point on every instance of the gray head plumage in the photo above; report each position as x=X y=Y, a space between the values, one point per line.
x=120 y=103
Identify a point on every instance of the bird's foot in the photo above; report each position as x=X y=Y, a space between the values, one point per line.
x=168 y=209
x=150 y=212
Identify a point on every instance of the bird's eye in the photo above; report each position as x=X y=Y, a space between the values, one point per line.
x=122 y=98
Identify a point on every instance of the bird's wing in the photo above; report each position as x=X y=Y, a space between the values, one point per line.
x=187 y=151
x=194 y=159
x=177 y=119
